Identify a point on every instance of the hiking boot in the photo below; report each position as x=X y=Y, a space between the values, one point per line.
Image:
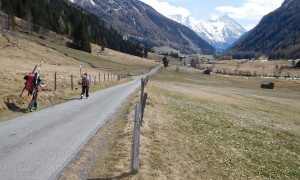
x=35 y=108
x=81 y=96
x=29 y=110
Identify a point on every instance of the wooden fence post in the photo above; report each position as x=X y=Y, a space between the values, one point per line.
x=95 y=80
x=142 y=89
x=80 y=70
x=136 y=141
x=147 y=79
x=104 y=77
x=143 y=105
x=99 y=77
x=55 y=78
x=72 y=87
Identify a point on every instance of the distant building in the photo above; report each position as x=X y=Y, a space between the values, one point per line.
x=267 y=85
x=125 y=37
x=297 y=63
x=206 y=71
x=182 y=58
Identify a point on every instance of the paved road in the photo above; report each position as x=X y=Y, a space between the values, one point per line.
x=40 y=144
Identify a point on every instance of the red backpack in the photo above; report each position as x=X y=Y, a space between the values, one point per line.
x=84 y=81
x=30 y=82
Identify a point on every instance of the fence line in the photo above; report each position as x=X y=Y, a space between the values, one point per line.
x=139 y=114
x=108 y=77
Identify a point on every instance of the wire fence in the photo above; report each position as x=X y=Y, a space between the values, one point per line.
x=62 y=82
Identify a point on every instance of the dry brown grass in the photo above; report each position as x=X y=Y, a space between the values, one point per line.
x=255 y=67
x=19 y=54
x=195 y=126
x=219 y=130
x=214 y=127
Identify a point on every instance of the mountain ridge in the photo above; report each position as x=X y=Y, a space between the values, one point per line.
x=277 y=35
x=220 y=33
x=69 y=20
x=143 y=24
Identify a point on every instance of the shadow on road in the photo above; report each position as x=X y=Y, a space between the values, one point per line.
x=14 y=107
x=123 y=175
x=68 y=99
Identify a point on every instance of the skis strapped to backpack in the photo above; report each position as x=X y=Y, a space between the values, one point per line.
x=32 y=78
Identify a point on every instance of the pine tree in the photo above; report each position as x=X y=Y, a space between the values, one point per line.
x=298 y=65
x=61 y=26
x=64 y=18
x=80 y=37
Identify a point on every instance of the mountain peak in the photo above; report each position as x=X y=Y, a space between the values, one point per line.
x=225 y=18
x=220 y=33
x=229 y=20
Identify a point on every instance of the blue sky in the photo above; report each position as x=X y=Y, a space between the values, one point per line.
x=246 y=12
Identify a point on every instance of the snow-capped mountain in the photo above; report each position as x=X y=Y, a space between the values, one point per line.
x=220 y=33
x=143 y=24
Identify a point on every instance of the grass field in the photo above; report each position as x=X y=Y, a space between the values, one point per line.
x=195 y=126
x=214 y=127
x=230 y=127
x=253 y=67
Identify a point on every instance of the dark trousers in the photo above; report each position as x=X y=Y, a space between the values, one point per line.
x=33 y=102
x=85 y=89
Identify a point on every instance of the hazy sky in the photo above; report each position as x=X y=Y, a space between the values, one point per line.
x=246 y=12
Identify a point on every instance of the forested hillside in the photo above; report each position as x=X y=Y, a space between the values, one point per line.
x=67 y=19
x=142 y=24
x=276 y=36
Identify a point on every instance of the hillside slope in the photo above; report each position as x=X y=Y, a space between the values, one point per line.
x=277 y=35
x=66 y=19
x=21 y=52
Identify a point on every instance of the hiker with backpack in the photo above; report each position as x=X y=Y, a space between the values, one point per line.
x=33 y=86
x=165 y=61
x=85 y=85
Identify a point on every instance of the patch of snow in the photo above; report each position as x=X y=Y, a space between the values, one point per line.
x=217 y=32
x=93 y=3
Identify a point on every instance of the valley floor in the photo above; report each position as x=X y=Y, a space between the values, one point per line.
x=195 y=126
x=207 y=127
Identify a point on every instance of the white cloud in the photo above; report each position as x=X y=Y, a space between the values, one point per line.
x=249 y=26
x=247 y=14
x=251 y=9
x=167 y=9
x=214 y=16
